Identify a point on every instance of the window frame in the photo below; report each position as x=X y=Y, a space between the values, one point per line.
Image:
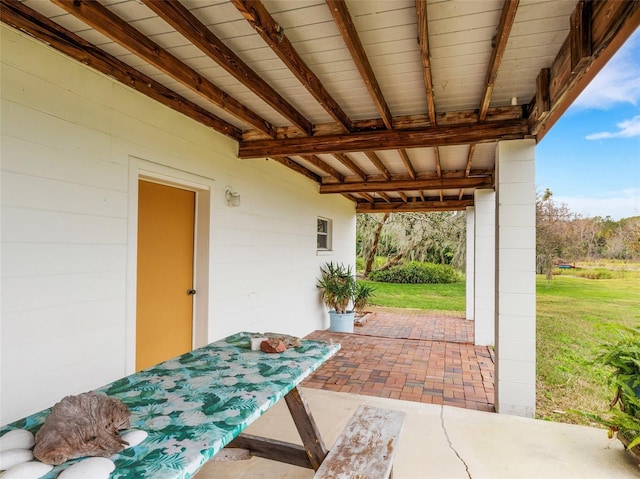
x=327 y=235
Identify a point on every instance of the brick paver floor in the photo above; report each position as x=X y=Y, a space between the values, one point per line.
x=418 y=356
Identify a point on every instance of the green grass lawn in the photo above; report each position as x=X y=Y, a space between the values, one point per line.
x=575 y=316
x=448 y=297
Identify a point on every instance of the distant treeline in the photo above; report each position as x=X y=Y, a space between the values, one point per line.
x=566 y=236
x=561 y=236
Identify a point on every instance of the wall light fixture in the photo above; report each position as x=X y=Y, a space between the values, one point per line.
x=233 y=198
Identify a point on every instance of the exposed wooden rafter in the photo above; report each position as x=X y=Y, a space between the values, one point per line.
x=24 y=18
x=273 y=34
x=425 y=57
x=109 y=24
x=289 y=163
x=184 y=22
x=378 y=164
x=418 y=206
x=407 y=185
x=387 y=140
x=472 y=150
x=407 y=163
x=507 y=18
x=350 y=36
x=349 y=163
x=318 y=163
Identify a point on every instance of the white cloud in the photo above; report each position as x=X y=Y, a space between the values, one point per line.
x=617 y=82
x=627 y=129
x=617 y=205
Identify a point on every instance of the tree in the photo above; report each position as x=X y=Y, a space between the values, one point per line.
x=554 y=234
x=438 y=237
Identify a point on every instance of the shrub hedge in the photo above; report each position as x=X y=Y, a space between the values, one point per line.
x=415 y=272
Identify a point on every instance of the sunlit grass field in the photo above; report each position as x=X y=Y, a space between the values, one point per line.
x=575 y=316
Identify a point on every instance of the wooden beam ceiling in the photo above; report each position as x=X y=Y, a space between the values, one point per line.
x=28 y=20
x=349 y=34
x=109 y=24
x=273 y=34
x=184 y=22
x=597 y=30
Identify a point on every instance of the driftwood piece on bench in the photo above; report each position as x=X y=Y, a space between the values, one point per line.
x=366 y=446
x=84 y=425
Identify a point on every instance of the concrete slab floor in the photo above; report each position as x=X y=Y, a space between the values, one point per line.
x=447 y=442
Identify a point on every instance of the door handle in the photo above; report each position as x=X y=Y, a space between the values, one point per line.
x=191 y=292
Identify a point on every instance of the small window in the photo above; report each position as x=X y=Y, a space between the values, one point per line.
x=324 y=234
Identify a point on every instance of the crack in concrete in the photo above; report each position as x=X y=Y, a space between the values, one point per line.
x=446 y=435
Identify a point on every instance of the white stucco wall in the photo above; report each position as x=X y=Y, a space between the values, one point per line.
x=72 y=141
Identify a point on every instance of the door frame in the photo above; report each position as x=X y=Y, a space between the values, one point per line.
x=140 y=169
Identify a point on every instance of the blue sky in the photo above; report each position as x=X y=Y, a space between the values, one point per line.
x=590 y=159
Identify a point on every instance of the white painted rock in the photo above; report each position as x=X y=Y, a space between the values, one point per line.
x=90 y=468
x=17 y=439
x=27 y=470
x=13 y=457
x=134 y=437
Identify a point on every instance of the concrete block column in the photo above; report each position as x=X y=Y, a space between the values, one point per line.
x=485 y=267
x=470 y=263
x=515 y=278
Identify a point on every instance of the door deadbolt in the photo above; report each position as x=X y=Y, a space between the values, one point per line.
x=191 y=292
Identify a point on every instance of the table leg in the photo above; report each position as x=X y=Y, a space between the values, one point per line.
x=309 y=433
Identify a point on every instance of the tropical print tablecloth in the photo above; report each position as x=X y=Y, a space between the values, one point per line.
x=195 y=404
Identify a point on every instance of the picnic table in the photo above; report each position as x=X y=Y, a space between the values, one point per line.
x=194 y=405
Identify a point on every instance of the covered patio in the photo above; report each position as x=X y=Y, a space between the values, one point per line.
x=276 y=122
x=446 y=442
x=422 y=356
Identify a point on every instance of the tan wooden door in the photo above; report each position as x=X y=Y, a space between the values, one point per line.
x=164 y=324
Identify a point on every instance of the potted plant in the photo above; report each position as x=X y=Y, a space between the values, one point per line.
x=623 y=419
x=338 y=288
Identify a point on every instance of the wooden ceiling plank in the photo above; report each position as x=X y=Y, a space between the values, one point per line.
x=403 y=196
x=425 y=56
x=298 y=168
x=349 y=163
x=317 y=162
x=407 y=185
x=378 y=164
x=367 y=197
x=387 y=139
x=184 y=22
x=407 y=162
x=509 y=9
x=273 y=34
x=349 y=33
x=419 y=206
x=109 y=24
x=613 y=21
x=23 y=18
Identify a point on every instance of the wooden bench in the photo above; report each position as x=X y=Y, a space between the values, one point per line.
x=366 y=447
